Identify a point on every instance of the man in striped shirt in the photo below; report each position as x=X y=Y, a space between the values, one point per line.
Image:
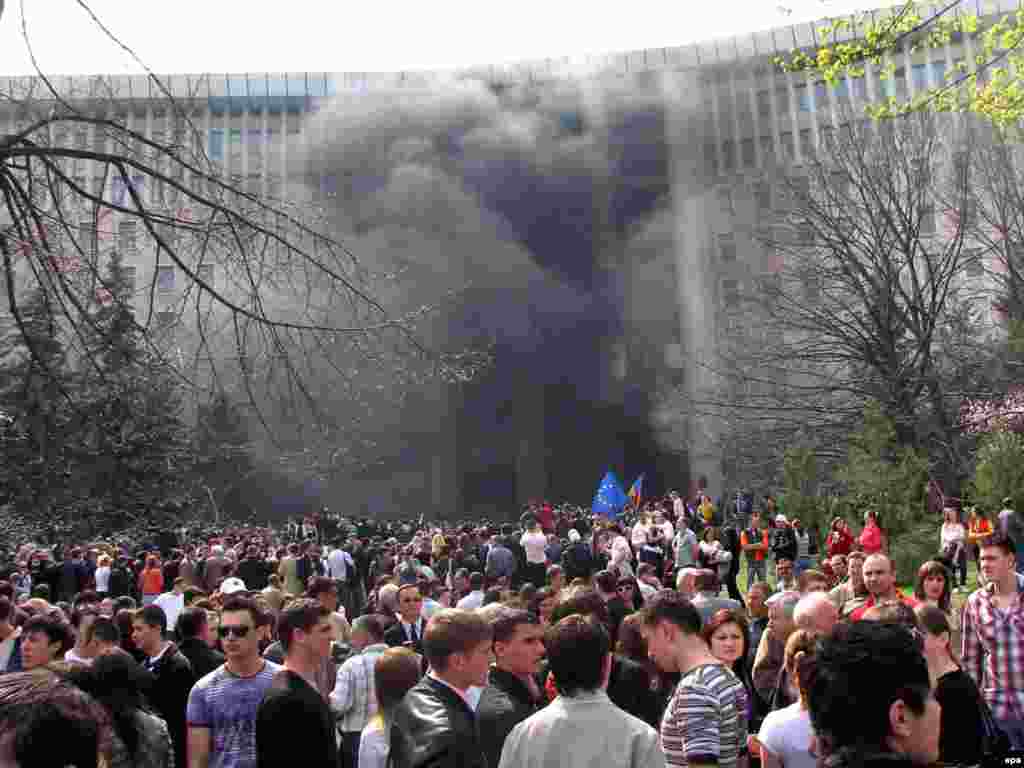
x=354 y=699
x=705 y=721
x=993 y=636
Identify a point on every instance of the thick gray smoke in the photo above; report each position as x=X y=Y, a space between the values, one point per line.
x=530 y=201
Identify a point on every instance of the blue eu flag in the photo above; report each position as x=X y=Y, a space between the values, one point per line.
x=610 y=498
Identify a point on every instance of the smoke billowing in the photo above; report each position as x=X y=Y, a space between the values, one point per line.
x=531 y=202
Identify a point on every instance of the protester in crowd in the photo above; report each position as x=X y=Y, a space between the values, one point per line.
x=292 y=704
x=933 y=587
x=151 y=581
x=395 y=672
x=811 y=580
x=475 y=598
x=880 y=581
x=632 y=647
x=770 y=657
x=535 y=543
x=875 y=670
x=705 y=720
x=785 y=737
x=581 y=727
x=102 y=575
x=871 y=539
x=222 y=706
x=102 y=637
x=754 y=541
x=172 y=674
x=803 y=548
x=962 y=723
x=194 y=630
x=353 y=698
x=434 y=724
x=953 y=544
x=728 y=637
x=512 y=693
x=81 y=621
x=707 y=600
x=839 y=569
x=851 y=594
x=410 y=627
x=840 y=541
x=757 y=615
x=172 y=603
x=993 y=634
x=138 y=738
x=785 y=580
x=979 y=528
x=48 y=721
x=44 y=639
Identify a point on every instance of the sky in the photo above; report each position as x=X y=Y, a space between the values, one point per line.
x=196 y=36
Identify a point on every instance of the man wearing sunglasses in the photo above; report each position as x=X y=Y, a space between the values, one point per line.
x=222 y=706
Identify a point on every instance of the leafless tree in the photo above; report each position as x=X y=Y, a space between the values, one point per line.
x=869 y=290
x=295 y=322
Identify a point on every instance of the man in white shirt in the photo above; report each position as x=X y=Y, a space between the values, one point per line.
x=338 y=563
x=475 y=598
x=173 y=602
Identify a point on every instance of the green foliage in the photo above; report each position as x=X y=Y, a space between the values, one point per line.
x=992 y=87
x=800 y=478
x=223 y=456
x=97 y=443
x=912 y=547
x=999 y=470
x=882 y=475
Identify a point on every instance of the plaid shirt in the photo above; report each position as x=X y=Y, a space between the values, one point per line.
x=354 y=698
x=993 y=652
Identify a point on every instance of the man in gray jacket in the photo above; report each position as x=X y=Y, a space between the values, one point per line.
x=581 y=727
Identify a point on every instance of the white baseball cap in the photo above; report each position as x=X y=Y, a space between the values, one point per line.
x=231 y=585
x=781 y=519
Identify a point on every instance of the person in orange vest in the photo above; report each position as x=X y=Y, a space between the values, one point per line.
x=151 y=580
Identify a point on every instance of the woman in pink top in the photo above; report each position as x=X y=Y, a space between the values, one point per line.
x=870 y=539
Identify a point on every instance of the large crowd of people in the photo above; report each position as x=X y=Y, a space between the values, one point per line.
x=566 y=638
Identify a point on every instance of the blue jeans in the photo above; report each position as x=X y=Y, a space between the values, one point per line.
x=801 y=565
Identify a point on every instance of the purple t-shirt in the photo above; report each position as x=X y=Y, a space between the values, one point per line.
x=227 y=704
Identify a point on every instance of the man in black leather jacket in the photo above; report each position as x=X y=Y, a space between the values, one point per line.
x=512 y=693
x=435 y=726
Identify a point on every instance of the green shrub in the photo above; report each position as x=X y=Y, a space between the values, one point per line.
x=910 y=549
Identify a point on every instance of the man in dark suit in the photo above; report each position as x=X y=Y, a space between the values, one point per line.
x=409 y=629
x=193 y=630
x=434 y=726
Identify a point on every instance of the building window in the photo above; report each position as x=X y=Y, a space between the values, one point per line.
x=919 y=75
x=973 y=263
x=711 y=159
x=127 y=239
x=764 y=103
x=165 y=278
x=128 y=273
x=928 y=220
x=165 y=320
x=747 y=153
x=729 y=156
x=860 y=88
x=842 y=91
x=731 y=293
x=727 y=248
x=763 y=192
x=725 y=201
x=820 y=96
x=812 y=286
x=205 y=273
x=782 y=99
x=767 y=147
x=87 y=236
x=803 y=97
x=806 y=143
x=788 y=148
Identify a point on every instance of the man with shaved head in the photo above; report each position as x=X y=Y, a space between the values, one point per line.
x=880 y=580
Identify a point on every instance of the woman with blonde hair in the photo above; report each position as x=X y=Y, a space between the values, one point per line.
x=785 y=736
x=394 y=672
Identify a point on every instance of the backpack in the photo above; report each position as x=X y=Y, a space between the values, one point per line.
x=783 y=543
